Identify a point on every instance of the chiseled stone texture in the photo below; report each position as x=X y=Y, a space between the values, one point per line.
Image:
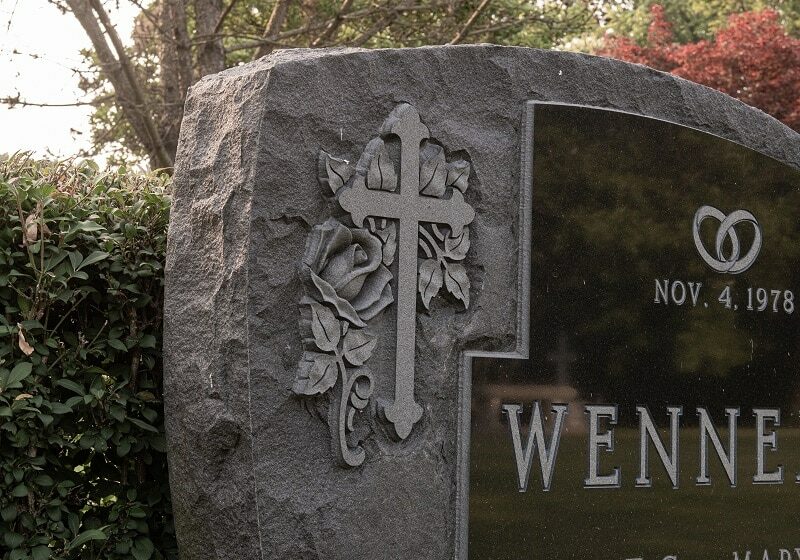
x=253 y=474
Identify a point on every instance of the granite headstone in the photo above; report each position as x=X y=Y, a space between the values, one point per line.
x=481 y=302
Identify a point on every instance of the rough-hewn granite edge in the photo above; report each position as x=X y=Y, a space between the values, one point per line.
x=205 y=331
x=205 y=327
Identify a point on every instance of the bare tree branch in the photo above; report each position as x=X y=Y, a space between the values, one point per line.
x=11 y=15
x=276 y=20
x=163 y=157
x=150 y=78
x=60 y=5
x=334 y=24
x=152 y=19
x=200 y=39
x=536 y=18
x=48 y=59
x=13 y=101
x=388 y=13
x=398 y=9
x=109 y=65
x=377 y=27
x=259 y=42
x=224 y=15
x=120 y=73
x=462 y=33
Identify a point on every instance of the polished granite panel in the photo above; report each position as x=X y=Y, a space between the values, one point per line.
x=664 y=278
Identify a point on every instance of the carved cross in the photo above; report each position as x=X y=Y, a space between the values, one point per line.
x=410 y=208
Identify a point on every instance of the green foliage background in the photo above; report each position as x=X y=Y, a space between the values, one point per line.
x=82 y=453
x=695 y=20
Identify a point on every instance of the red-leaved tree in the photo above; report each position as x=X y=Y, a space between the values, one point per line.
x=752 y=58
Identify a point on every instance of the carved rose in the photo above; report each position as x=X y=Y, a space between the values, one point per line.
x=345 y=266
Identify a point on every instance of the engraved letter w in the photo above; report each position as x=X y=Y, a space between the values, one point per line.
x=536 y=442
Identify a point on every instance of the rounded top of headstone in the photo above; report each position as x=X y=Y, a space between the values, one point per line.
x=526 y=74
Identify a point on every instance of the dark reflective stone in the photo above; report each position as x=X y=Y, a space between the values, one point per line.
x=625 y=311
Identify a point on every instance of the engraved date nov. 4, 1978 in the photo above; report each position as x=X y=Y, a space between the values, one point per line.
x=679 y=292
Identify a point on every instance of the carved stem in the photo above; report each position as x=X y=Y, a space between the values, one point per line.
x=432 y=242
x=351 y=457
x=424 y=247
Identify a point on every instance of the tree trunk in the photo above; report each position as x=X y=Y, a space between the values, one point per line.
x=176 y=70
x=210 y=54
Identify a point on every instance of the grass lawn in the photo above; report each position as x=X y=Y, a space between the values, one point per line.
x=692 y=522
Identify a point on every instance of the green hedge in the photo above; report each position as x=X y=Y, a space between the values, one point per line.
x=82 y=453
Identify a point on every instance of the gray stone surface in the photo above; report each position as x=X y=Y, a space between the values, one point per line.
x=253 y=474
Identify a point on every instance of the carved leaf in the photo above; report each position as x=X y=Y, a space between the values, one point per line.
x=360 y=387
x=381 y=174
x=343 y=307
x=318 y=373
x=358 y=346
x=334 y=172
x=358 y=402
x=325 y=327
x=362 y=391
x=430 y=280
x=389 y=237
x=455 y=248
x=457 y=282
x=432 y=170
x=458 y=174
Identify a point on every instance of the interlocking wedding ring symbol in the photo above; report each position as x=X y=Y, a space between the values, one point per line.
x=730 y=264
